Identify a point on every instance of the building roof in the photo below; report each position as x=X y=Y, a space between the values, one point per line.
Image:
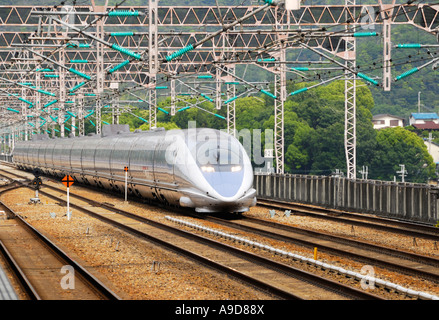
x=378 y=116
x=427 y=125
x=425 y=116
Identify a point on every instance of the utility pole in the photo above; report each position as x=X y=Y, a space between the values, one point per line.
x=402 y=172
x=364 y=172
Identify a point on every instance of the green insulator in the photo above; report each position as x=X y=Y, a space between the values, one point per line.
x=50 y=103
x=77 y=87
x=123 y=13
x=123 y=64
x=163 y=110
x=365 y=34
x=268 y=94
x=121 y=34
x=46 y=92
x=179 y=53
x=298 y=91
x=182 y=109
x=363 y=76
x=207 y=97
x=88 y=115
x=409 y=45
x=407 y=73
x=300 y=69
x=267 y=60
x=24 y=100
x=230 y=100
x=78 y=61
x=82 y=75
x=126 y=51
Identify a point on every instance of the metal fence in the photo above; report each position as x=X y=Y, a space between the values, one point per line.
x=6 y=157
x=408 y=201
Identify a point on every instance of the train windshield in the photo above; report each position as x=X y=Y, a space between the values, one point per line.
x=221 y=162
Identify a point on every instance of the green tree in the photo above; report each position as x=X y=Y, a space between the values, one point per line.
x=397 y=146
x=297 y=137
x=323 y=110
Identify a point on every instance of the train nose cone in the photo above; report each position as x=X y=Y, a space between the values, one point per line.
x=226 y=184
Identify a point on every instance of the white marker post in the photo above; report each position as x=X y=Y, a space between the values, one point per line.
x=68 y=181
x=126 y=184
x=68 y=204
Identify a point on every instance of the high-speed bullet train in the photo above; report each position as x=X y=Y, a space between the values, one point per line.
x=204 y=169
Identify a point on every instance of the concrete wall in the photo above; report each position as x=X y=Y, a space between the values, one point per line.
x=409 y=201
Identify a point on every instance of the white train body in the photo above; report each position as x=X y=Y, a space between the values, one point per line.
x=204 y=169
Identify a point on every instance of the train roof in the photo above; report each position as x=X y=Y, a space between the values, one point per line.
x=123 y=130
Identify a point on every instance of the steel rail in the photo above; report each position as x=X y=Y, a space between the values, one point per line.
x=87 y=276
x=297 y=273
x=395 y=226
x=19 y=274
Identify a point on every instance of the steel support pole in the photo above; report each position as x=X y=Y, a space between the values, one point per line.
x=100 y=72
x=280 y=91
x=350 y=139
x=386 y=15
x=153 y=60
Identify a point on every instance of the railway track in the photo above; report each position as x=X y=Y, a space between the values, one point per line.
x=398 y=260
x=393 y=259
x=378 y=223
x=269 y=275
x=43 y=270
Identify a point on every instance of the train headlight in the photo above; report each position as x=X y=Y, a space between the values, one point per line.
x=236 y=168
x=208 y=169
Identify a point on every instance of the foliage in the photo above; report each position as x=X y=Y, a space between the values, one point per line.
x=397 y=146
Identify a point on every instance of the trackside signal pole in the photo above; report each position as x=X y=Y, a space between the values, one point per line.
x=68 y=181
x=126 y=183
